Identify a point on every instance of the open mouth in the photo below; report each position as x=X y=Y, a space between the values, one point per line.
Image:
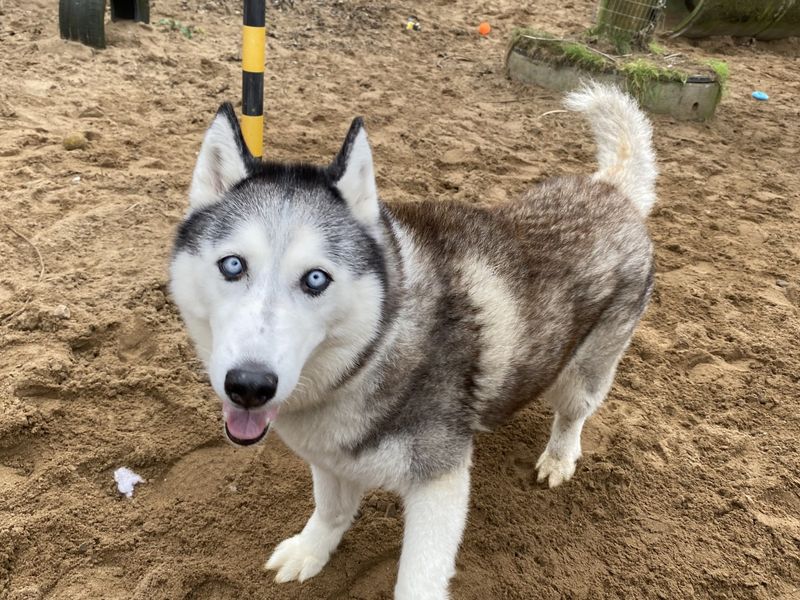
x=247 y=427
x=246 y=441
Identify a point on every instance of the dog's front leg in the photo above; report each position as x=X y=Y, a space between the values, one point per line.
x=435 y=512
x=303 y=556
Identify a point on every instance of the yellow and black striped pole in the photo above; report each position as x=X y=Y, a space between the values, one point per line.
x=254 y=39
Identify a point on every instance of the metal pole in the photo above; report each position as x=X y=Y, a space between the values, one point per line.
x=254 y=39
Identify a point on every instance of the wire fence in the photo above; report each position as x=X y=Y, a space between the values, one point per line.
x=634 y=19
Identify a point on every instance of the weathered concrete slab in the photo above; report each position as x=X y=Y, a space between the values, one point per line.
x=695 y=100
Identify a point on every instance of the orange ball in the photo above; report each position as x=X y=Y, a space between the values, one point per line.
x=484 y=28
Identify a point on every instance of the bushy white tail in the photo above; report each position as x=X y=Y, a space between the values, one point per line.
x=624 y=141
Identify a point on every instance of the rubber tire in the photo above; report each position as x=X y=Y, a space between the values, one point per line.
x=64 y=14
x=83 y=21
x=136 y=10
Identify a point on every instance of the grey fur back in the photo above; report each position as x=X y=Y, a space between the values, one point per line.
x=572 y=252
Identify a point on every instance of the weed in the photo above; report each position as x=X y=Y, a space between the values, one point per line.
x=582 y=56
x=642 y=72
x=186 y=31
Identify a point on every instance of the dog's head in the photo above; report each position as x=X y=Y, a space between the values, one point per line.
x=278 y=273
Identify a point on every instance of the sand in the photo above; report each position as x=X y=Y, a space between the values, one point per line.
x=690 y=481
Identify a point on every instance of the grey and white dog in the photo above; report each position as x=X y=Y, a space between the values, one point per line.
x=377 y=338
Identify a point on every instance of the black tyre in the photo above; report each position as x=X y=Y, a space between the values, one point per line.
x=64 y=15
x=82 y=21
x=134 y=10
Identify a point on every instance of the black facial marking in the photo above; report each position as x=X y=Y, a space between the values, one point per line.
x=339 y=164
x=226 y=110
x=391 y=295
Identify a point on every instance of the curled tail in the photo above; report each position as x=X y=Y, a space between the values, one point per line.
x=624 y=141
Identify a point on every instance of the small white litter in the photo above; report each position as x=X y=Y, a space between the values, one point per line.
x=126 y=479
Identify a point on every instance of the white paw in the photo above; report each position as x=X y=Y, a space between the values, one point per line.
x=555 y=470
x=296 y=558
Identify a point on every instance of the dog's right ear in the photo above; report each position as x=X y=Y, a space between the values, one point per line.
x=224 y=159
x=354 y=175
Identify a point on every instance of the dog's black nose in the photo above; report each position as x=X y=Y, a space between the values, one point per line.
x=250 y=389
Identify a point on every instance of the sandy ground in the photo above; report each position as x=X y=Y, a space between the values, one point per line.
x=690 y=482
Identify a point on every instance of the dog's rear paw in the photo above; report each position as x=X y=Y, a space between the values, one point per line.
x=555 y=470
x=296 y=558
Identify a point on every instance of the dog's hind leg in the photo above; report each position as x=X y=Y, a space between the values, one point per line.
x=577 y=392
x=303 y=556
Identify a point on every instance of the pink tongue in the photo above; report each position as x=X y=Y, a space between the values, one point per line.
x=245 y=424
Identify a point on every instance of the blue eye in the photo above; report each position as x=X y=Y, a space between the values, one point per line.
x=315 y=282
x=232 y=267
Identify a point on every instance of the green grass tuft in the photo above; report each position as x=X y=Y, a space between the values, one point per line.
x=580 y=55
x=543 y=45
x=186 y=31
x=723 y=71
x=656 y=48
x=721 y=68
x=521 y=37
x=642 y=72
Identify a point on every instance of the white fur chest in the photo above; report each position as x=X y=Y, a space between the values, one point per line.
x=320 y=439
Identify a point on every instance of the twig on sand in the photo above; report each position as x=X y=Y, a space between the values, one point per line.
x=452 y=57
x=552 y=112
x=35 y=249
x=41 y=272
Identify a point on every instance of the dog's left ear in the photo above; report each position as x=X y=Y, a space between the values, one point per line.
x=224 y=159
x=354 y=176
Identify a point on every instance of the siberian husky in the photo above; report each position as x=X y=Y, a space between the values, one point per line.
x=376 y=338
